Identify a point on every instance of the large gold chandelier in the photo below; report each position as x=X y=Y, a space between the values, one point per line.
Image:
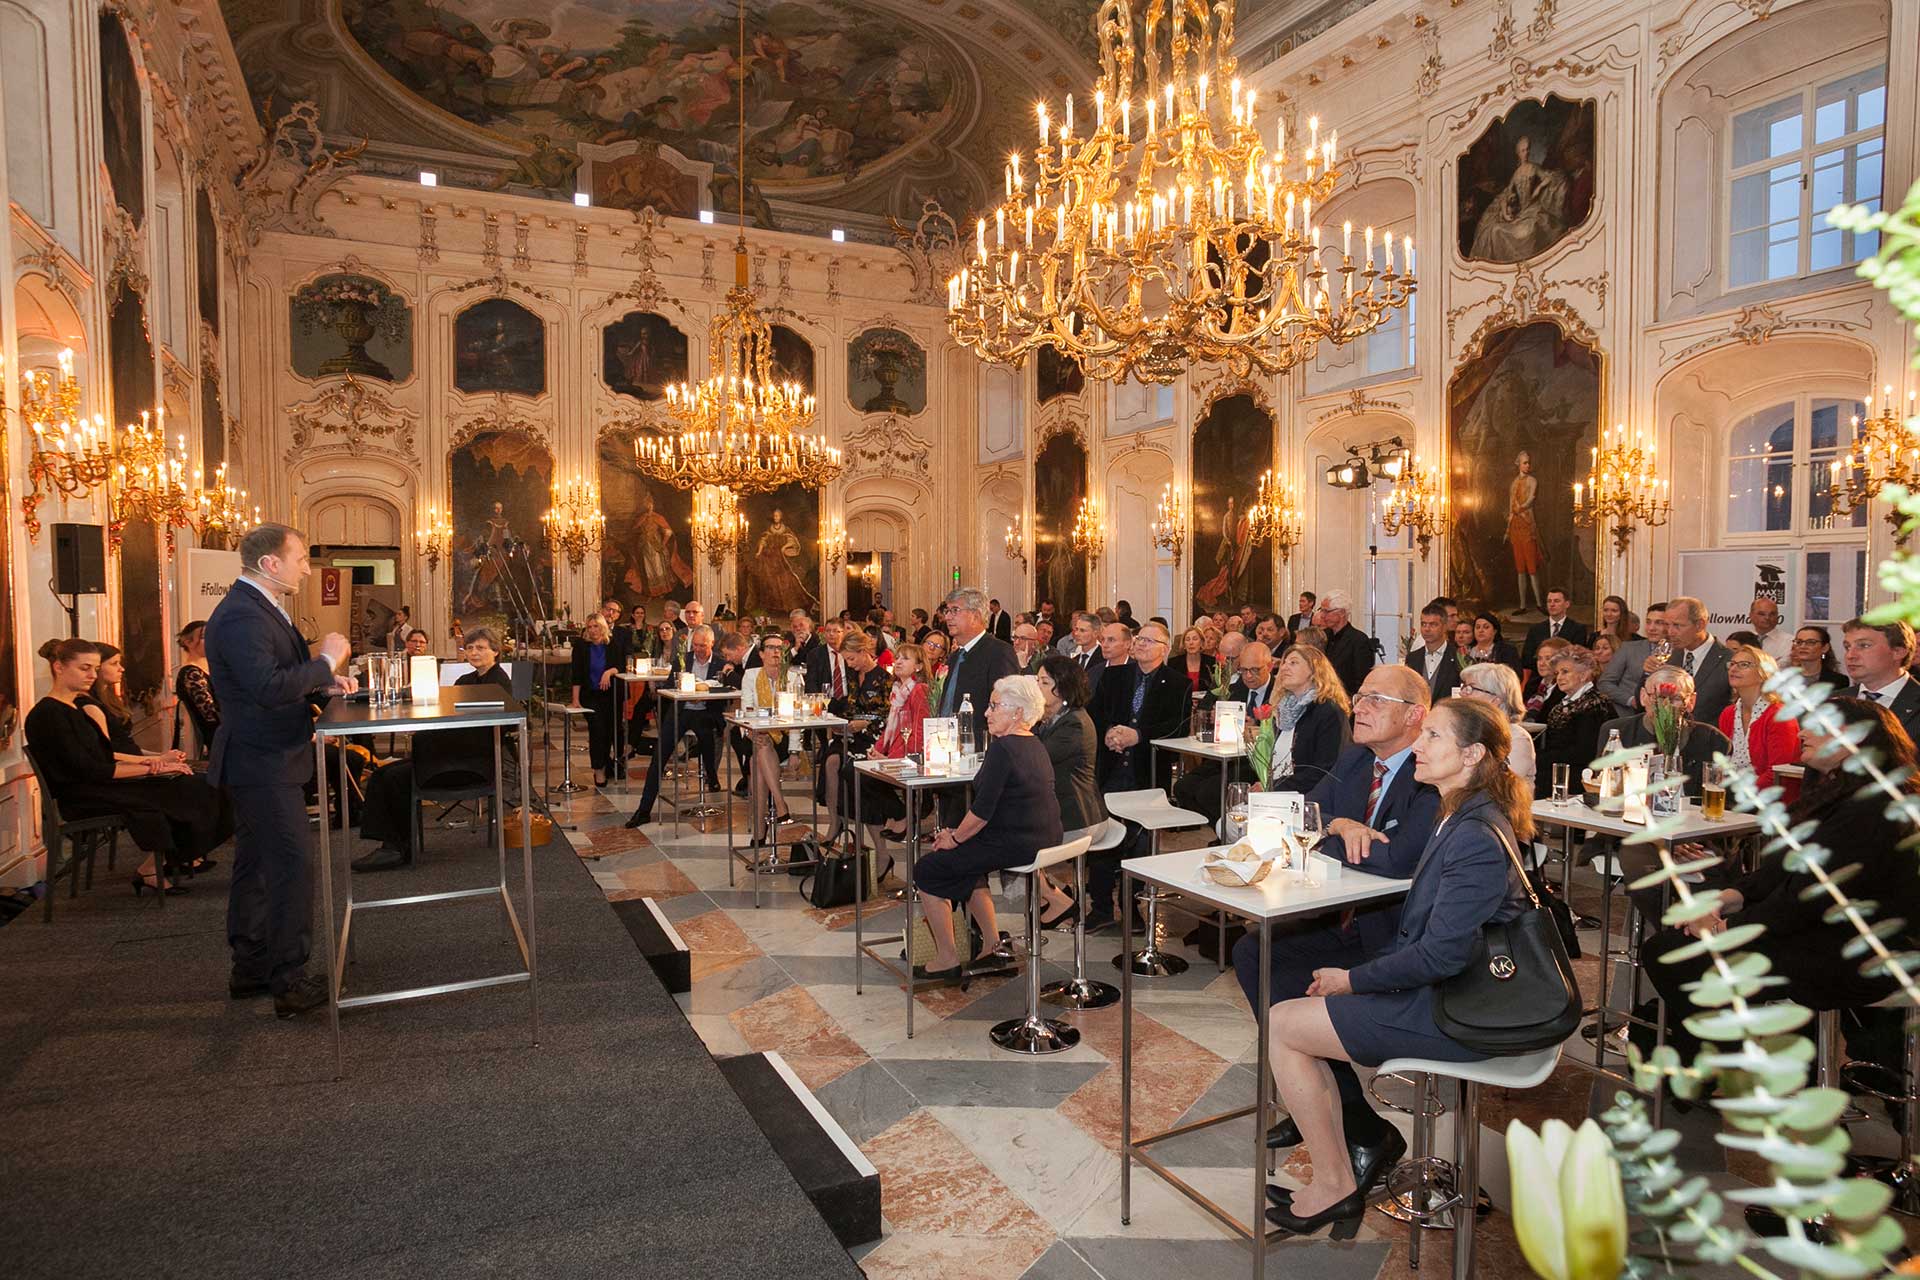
x=740 y=429
x=1623 y=488
x=1194 y=243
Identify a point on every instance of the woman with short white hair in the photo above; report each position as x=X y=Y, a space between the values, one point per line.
x=1494 y=683
x=1014 y=815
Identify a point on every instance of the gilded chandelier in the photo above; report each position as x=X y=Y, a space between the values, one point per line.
x=575 y=523
x=70 y=456
x=1275 y=516
x=434 y=538
x=1169 y=525
x=1623 y=488
x=1885 y=450
x=1089 y=536
x=1417 y=503
x=1193 y=243
x=833 y=545
x=149 y=482
x=220 y=513
x=718 y=527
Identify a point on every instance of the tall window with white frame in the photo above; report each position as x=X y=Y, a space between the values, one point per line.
x=1780 y=463
x=1791 y=160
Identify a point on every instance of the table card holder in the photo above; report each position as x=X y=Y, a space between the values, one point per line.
x=1634 y=792
x=686 y=682
x=783 y=704
x=940 y=736
x=423 y=678
x=1271 y=816
x=1229 y=724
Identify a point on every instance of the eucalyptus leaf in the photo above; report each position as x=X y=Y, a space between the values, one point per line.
x=1818 y=1259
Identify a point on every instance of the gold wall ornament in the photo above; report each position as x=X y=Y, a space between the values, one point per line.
x=1623 y=488
x=1275 y=516
x=718 y=528
x=575 y=524
x=434 y=537
x=1885 y=450
x=1417 y=503
x=1193 y=243
x=1015 y=544
x=833 y=545
x=1169 y=525
x=1089 y=536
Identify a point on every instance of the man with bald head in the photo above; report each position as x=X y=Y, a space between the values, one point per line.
x=1378 y=820
x=1231 y=645
x=1253 y=687
x=1140 y=699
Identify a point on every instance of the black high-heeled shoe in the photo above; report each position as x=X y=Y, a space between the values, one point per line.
x=638 y=820
x=1065 y=920
x=1343 y=1215
x=954 y=977
x=142 y=883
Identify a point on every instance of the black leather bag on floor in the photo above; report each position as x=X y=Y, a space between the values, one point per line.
x=832 y=883
x=1518 y=993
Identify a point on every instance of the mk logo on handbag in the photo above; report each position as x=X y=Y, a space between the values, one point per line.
x=1502 y=967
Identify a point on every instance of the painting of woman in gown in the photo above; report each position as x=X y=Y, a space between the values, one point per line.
x=780 y=566
x=645 y=560
x=1527 y=181
x=1523 y=535
x=1229 y=562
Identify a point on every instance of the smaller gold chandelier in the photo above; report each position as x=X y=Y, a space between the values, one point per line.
x=1623 y=488
x=1015 y=544
x=575 y=524
x=70 y=456
x=1170 y=523
x=718 y=527
x=220 y=512
x=1275 y=516
x=1885 y=450
x=149 y=486
x=1417 y=505
x=833 y=545
x=434 y=538
x=1089 y=537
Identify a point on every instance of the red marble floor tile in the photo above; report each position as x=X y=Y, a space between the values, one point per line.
x=716 y=944
x=1162 y=1093
x=932 y=1184
x=612 y=840
x=659 y=880
x=792 y=1022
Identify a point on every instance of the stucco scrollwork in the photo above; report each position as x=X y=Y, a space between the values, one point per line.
x=1527 y=298
x=498 y=418
x=60 y=270
x=889 y=447
x=357 y=413
x=126 y=253
x=931 y=247
x=1356 y=403
x=1759 y=323
x=295 y=167
x=1228 y=385
x=1064 y=420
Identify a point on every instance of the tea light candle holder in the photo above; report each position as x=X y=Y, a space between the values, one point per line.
x=423 y=679
x=783 y=703
x=1229 y=724
x=686 y=682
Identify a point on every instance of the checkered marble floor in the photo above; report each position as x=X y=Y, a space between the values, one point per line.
x=992 y=1165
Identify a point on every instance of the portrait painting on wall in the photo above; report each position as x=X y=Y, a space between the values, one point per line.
x=499 y=345
x=886 y=373
x=121 y=120
x=213 y=427
x=642 y=354
x=648 y=558
x=1057 y=375
x=353 y=325
x=206 y=259
x=780 y=570
x=141 y=640
x=502 y=565
x=1059 y=485
x=1232 y=447
x=1528 y=180
x=1521 y=416
x=793 y=358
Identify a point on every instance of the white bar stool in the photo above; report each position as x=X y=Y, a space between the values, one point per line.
x=1034 y=1034
x=1152 y=811
x=1460 y=1176
x=1078 y=992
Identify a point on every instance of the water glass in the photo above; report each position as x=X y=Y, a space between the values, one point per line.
x=377 y=679
x=1203 y=724
x=1562 y=782
x=396 y=679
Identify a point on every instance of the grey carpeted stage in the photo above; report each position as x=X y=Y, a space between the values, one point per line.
x=158 y=1128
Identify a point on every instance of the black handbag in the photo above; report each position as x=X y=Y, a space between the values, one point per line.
x=832 y=883
x=1517 y=994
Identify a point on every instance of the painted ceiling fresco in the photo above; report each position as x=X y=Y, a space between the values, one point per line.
x=856 y=106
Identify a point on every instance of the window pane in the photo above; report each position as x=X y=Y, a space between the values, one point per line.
x=1872 y=108
x=1836 y=584
x=1824 y=250
x=1783 y=260
x=1829 y=179
x=1832 y=422
x=1768 y=431
x=1838 y=108
x=1767 y=131
x=1783 y=192
x=1760 y=499
x=1749 y=201
x=1748 y=259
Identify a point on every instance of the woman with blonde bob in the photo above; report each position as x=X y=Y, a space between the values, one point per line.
x=1383 y=1008
x=1311 y=714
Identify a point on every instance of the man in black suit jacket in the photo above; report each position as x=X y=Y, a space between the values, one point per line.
x=269 y=684
x=802 y=640
x=706 y=662
x=1304 y=618
x=1349 y=649
x=1252 y=686
x=1700 y=656
x=1876 y=656
x=975 y=661
x=1139 y=701
x=826 y=670
x=1434 y=657
x=1556 y=623
x=999 y=622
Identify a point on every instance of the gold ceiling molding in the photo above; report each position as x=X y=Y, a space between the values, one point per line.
x=1066 y=420
x=932 y=250
x=1524 y=76
x=649 y=417
x=1356 y=403
x=53 y=262
x=1432 y=65
x=1525 y=299
x=499 y=284
x=289 y=174
x=361 y=416
x=1757 y=324
x=499 y=419
x=1677 y=45
x=1225 y=388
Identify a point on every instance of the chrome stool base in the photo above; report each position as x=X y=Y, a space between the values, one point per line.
x=1035 y=1036
x=1150 y=961
x=1081 y=993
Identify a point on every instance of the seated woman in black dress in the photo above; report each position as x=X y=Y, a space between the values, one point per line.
x=1384 y=1008
x=193 y=688
x=173 y=815
x=1806 y=949
x=1014 y=815
x=441 y=757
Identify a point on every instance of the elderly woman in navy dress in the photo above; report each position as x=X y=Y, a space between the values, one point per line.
x=1383 y=1008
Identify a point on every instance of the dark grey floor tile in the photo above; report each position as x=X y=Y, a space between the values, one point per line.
x=1003 y=1081
x=866 y=1101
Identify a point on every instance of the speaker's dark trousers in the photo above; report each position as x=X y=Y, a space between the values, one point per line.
x=270 y=903
x=705 y=725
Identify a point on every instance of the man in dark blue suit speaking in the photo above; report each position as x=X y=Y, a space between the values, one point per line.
x=1379 y=817
x=269 y=684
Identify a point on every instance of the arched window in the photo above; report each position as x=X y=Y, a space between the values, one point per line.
x=1769 y=448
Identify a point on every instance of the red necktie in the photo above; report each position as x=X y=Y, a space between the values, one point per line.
x=839 y=683
x=1373 y=791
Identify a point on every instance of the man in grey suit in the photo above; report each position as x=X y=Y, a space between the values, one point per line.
x=1635 y=660
x=1700 y=656
x=1877 y=658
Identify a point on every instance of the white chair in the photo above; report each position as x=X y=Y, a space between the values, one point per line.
x=1460 y=1176
x=1077 y=992
x=1034 y=1034
x=1152 y=811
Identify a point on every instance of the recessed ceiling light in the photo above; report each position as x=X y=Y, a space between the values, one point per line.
x=428 y=178
x=706 y=215
x=839 y=235
x=582 y=199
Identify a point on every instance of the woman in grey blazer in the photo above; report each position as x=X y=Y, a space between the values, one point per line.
x=1383 y=1008
x=1066 y=730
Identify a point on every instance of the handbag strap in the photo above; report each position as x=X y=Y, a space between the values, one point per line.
x=1506 y=842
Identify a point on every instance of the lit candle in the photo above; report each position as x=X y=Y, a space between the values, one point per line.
x=1126 y=118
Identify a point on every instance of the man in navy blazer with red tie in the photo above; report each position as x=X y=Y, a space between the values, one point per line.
x=269 y=683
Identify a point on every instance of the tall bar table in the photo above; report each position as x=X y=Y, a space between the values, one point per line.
x=713 y=694
x=1280 y=896
x=757 y=862
x=911 y=783
x=352 y=719
x=1227 y=756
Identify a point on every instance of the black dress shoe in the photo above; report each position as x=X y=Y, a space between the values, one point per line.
x=303 y=996
x=385 y=858
x=1343 y=1215
x=1372 y=1164
x=239 y=988
x=1285 y=1133
x=639 y=820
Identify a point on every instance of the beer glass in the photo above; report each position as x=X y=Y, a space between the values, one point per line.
x=1713 y=793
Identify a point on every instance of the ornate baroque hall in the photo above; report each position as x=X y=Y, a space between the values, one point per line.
x=980 y=639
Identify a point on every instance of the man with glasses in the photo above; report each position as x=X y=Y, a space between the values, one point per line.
x=1378 y=818
x=1348 y=648
x=975 y=663
x=1026 y=647
x=1141 y=698
x=1253 y=687
x=1433 y=657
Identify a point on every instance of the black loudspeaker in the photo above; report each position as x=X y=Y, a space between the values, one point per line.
x=79 y=560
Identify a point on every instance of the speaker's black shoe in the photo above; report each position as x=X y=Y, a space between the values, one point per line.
x=239 y=988
x=1375 y=1162
x=304 y=996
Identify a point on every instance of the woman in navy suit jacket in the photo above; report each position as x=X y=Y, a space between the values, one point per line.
x=1384 y=1008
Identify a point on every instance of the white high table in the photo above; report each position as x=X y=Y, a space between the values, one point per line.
x=714 y=693
x=757 y=862
x=1279 y=897
x=344 y=719
x=1205 y=750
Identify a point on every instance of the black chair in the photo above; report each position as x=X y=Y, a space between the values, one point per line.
x=86 y=835
x=448 y=798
